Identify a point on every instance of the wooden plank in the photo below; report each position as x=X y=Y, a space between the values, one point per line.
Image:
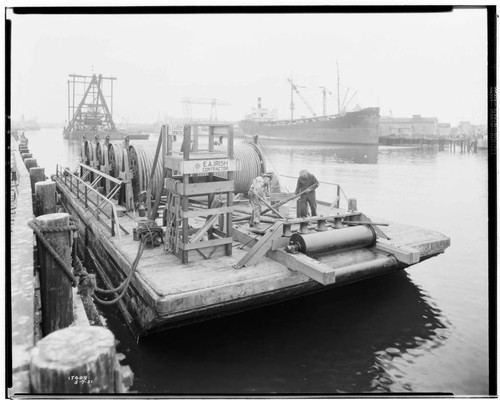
x=100 y=173
x=198 y=235
x=405 y=254
x=262 y=246
x=308 y=266
x=206 y=187
x=206 y=243
x=200 y=166
x=206 y=212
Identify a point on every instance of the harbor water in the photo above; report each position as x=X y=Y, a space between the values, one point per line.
x=424 y=329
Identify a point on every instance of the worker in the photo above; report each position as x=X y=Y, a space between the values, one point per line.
x=256 y=191
x=306 y=182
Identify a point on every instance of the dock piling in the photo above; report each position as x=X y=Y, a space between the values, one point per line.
x=30 y=163
x=55 y=286
x=45 y=198
x=74 y=360
x=37 y=174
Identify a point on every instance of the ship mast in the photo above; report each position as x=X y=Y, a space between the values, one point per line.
x=338 y=88
x=292 y=106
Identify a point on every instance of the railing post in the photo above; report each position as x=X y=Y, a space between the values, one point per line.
x=78 y=189
x=338 y=196
x=112 y=222
x=97 y=205
x=86 y=189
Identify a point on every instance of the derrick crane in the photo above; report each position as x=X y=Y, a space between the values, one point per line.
x=213 y=102
x=92 y=113
x=295 y=88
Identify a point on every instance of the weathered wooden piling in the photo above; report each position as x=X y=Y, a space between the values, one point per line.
x=74 y=360
x=55 y=286
x=37 y=174
x=45 y=198
x=30 y=163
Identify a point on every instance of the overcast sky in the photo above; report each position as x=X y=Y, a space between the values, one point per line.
x=428 y=64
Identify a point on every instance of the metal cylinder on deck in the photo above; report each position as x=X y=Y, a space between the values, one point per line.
x=334 y=239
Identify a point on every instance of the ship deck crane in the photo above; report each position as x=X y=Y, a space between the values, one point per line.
x=325 y=90
x=213 y=102
x=295 y=88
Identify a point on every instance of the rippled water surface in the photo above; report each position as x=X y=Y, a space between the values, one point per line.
x=424 y=329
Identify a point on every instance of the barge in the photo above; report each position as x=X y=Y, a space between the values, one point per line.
x=199 y=257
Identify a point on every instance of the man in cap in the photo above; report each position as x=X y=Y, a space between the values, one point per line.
x=309 y=183
x=256 y=191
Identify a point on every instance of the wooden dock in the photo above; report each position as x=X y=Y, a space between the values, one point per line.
x=165 y=292
x=454 y=144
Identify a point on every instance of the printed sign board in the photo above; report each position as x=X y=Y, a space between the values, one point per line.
x=177 y=129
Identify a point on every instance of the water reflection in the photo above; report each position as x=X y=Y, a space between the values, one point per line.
x=353 y=339
x=355 y=154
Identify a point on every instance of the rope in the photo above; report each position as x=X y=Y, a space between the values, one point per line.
x=87 y=284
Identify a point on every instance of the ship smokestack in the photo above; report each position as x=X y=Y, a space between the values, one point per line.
x=258 y=103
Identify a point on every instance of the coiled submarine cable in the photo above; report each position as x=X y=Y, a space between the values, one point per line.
x=141 y=163
x=249 y=164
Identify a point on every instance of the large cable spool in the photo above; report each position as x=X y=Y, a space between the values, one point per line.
x=98 y=154
x=116 y=155
x=249 y=164
x=87 y=152
x=334 y=239
x=141 y=158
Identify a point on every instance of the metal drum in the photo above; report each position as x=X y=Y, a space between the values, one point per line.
x=334 y=239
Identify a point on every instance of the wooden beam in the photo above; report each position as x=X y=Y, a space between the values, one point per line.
x=262 y=246
x=308 y=266
x=405 y=254
x=206 y=212
x=205 y=243
x=198 y=235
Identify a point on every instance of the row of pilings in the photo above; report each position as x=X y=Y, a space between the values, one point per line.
x=462 y=145
x=73 y=352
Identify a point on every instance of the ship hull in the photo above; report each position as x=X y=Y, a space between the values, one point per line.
x=357 y=127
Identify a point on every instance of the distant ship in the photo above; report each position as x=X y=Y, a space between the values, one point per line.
x=92 y=116
x=354 y=127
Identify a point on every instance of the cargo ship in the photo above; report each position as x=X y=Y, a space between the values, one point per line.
x=354 y=127
x=359 y=126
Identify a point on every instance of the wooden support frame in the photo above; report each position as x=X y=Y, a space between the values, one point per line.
x=189 y=165
x=310 y=267
x=405 y=254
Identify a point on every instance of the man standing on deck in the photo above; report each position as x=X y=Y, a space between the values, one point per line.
x=256 y=191
x=306 y=181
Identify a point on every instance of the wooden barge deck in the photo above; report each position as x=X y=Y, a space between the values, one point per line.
x=236 y=267
x=165 y=293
